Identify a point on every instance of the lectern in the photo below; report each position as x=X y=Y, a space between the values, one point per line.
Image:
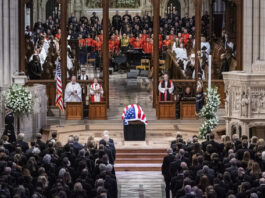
x=188 y=110
x=98 y=111
x=166 y=110
x=74 y=110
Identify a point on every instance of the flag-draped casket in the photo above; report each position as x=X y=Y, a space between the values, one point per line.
x=134 y=121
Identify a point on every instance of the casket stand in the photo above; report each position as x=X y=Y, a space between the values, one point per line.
x=134 y=131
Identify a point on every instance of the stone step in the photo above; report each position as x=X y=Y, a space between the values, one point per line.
x=138 y=160
x=140 y=155
x=138 y=167
x=136 y=151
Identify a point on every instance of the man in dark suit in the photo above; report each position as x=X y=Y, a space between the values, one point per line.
x=165 y=167
x=9 y=125
x=116 y=21
x=41 y=144
x=107 y=142
x=21 y=143
x=77 y=146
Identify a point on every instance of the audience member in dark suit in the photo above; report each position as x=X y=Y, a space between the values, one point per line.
x=21 y=143
x=165 y=167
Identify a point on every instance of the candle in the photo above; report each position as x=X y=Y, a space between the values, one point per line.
x=210 y=72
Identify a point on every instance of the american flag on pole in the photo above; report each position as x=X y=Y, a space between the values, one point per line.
x=59 y=92
x=132 y=113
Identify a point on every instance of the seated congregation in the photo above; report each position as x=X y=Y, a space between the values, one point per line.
x=51 y=170
x=234 y=168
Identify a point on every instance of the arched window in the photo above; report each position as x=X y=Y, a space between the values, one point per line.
x=52 y=9
x=173 y=3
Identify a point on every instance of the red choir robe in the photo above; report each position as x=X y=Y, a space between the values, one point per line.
x=166 y=42
x=132 y=39
x=100 y=37
x=98 y=45
x=58 y=36
x=186 y=38
x=111 y=45
x=148 y=48
x=145 y=36
x=138 y=45
x=171 y=37
x=89 y=42
x=81 y=42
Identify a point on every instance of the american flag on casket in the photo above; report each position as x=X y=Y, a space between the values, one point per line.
x=133 y=113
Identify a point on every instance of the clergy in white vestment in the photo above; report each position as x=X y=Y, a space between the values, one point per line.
x=83 y=75
x=96 y=91
x=181 y=53
x=206 y=45
x=166 y=89
x=73 y=91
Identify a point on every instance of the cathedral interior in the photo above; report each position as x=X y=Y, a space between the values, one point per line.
x=178 y=85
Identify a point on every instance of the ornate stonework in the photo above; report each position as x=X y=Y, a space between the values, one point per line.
x=245 y=101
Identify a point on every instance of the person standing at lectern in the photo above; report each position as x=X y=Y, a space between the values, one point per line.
x=73 y=91
x=96 y=91
x=166 y=89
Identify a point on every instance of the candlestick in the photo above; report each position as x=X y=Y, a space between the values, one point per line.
x=210 y=72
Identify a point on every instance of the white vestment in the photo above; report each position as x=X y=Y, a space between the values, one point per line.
x=83 y=77
x=96 y=91
x=181 y=54
x=73 y=92
x=163 y=90
x=208 y=48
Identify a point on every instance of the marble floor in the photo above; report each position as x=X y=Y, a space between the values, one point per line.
x=140 y=184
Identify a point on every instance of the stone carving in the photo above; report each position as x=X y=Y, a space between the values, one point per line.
x=258 y=67
x=245 y=100
x=31 y=124
x=227 y=101
x=244 y=105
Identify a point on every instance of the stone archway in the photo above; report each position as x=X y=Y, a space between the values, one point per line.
x=186 y=6
x=52 y=8
x=174 y=3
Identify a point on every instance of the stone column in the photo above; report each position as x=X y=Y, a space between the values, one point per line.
x=239 y=33
x=63 y=42
x=245 y=129
x=106 y=49
x=198 y=13
x=247 y=31
x=14 y=42
x=21 y=35
x=6 y=46
x=1 y=47
x=8 y=41
x=156 y=8
x=262 y=30
x=228 y=128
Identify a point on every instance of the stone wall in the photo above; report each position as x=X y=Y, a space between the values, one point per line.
x=253 y=33
x=9 y=44
x=31 y=124
x=77 y=7
x=245 y=90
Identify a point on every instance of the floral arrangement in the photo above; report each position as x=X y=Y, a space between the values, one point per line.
x=19 y=99
x=208 y=112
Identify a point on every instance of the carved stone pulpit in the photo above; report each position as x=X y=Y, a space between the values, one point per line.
x=245 y=99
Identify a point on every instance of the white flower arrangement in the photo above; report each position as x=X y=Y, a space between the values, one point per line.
x=19 y=99
x=208 y=112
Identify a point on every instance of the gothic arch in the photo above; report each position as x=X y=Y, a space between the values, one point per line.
x=185 y=5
